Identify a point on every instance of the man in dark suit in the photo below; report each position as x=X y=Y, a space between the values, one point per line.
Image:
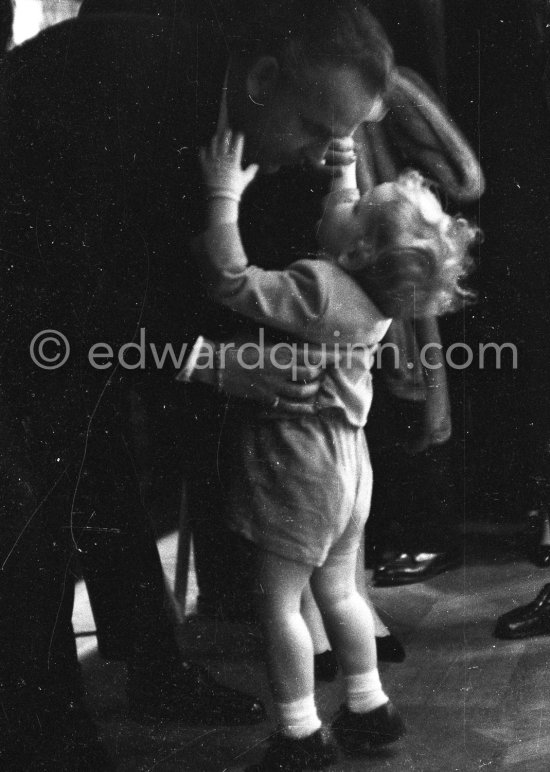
x=101 y=122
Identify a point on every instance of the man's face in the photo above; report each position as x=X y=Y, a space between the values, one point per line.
x=299 y=117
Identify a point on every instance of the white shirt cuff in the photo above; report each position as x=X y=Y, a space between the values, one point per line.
x=186 y=373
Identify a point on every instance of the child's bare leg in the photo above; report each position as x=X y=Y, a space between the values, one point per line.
x=288 y=642
x=368 y=717
x=325 y=665
x=350 y=627
x=314 y=622
x=380 y=629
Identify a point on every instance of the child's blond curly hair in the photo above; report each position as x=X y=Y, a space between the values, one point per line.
x=416 y=255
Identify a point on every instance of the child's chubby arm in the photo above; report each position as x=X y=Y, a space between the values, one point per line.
x=292 y=300
x=333 y=229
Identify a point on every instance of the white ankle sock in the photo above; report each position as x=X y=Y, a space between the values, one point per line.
x=364 y=691
x=299 y=718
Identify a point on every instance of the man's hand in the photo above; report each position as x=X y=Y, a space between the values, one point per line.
x=287 y=379
x=340 y=162
x=340 y=153
x=221 y=165
x=340 y=156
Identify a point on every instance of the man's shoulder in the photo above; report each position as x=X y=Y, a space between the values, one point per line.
x=142 y=53
x=108 y=91
x=81 y=36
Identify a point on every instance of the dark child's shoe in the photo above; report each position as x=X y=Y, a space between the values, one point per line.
x=286 y=754
x=389 y=648
x=408 y=567
x=355 y=732
x=526 y=621
x=325 y=666
x=190 y=694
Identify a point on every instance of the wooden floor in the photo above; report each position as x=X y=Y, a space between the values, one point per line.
x=471 y=702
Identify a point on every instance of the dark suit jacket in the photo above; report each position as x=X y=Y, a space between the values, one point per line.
x=101 y=191
x=101 y=121
x=99 y=196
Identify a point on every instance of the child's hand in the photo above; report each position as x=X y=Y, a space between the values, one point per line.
x=341 y=152
x=340 y=163
x=221 y=165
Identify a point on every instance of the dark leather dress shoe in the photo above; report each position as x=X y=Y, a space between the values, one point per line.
x=526 y=621
x=188 y=693
x=408 y=568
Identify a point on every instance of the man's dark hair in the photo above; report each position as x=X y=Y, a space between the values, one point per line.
x=301 y=33
x=297 y=33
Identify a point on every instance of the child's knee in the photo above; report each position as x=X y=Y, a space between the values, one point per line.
x=334 y=594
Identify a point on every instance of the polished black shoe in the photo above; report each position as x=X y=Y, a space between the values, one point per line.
x=408 y=568
x=356 y=732
x=389 y=649
x=188 y=693
x=325 y=666
x=526 y=621
x=285 y=754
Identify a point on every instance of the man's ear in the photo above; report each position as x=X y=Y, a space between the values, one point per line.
x=262 y=78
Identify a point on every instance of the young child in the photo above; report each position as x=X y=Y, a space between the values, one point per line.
x=302 y=487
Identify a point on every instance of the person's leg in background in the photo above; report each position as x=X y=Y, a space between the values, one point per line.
x=412 y=493
x=536 y=444
x=120 y=560
x=43 y=715
x=86 y=505
x=222 y=558
x=119 y=555
x=412 y=532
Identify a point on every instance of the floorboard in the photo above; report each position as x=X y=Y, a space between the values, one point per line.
x=471 y=702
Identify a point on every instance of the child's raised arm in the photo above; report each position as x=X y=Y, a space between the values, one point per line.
x=333 y=227
x=220 y=249
x=224 y=178
x=293 y=300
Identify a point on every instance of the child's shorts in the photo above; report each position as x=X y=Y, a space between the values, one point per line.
x=300 y=487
